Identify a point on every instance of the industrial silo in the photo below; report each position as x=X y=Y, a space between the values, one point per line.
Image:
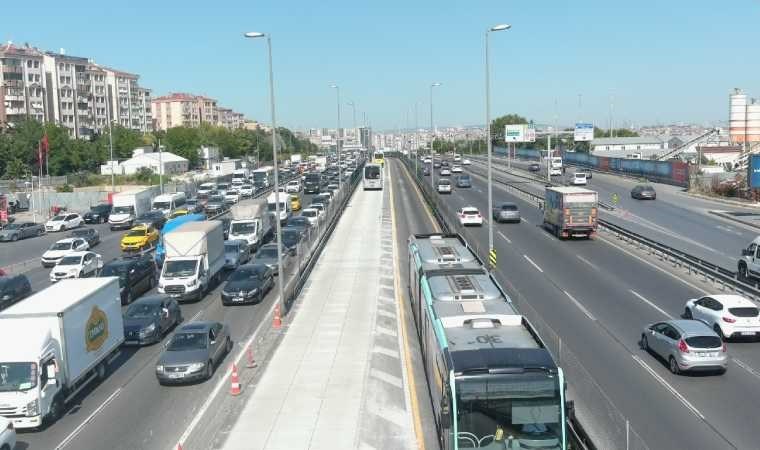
x=753 y=122
x=737 y=117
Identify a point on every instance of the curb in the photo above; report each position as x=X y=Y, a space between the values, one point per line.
x=755 y=225
x=721 y=200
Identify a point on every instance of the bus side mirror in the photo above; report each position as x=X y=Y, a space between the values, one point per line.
x=445 y=414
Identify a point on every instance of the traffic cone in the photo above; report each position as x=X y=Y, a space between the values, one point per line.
x=277 y=320
x=250 y=362
x=179 y=446
x=235 y=381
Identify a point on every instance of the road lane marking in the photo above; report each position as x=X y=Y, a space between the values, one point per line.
x=643 y=299
x=729 y=230
x=534 y=264
x=593 y=266
x=89 y=418
x=424 y=204
x=504 y=237
x=746 y=367
x=580 y=306
x=668 y=387
x=196 y=316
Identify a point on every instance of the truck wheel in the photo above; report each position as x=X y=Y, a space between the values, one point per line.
x=743 y=271
x=100 y=371
x=56 y=410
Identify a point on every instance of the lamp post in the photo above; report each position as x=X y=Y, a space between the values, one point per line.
x=110 y=142
x=353 y=110
x=337 y=144
x=280 y=273
x=501 y=27
x=432 y=137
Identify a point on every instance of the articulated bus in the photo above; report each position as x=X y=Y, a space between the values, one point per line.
x=373 y=177
x=492 y=382
x=378 y=158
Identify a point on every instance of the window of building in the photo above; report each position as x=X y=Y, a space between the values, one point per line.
x=37 y=78
x=29 y=77
x=60 y=66
x=29 y=63
x=36 y=64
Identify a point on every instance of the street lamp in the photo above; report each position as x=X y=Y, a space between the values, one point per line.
x=353 y=109
x=337 y=145
x=432 y=138
x=280 y=273
x=501 y=27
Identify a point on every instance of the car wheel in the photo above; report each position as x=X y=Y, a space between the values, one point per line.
x=673 y=366
x=209 y=369
x=56 y=410
x=14 y=238
x=644 y=343
x=40 y=232
x=719 y=332
x=228 y=346
x=687 y=314
x=743 y=271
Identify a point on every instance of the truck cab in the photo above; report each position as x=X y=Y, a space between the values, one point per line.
x=749 y=263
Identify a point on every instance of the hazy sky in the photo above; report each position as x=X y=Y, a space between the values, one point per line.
x=661 y=61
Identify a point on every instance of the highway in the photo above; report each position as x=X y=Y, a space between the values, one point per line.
x=596 y=298
x=129 y=409
x=682 y=221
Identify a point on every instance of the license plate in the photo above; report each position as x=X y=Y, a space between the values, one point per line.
x=238 y=299
x=176 y=374
x=748 y=333
x=708 y=354
x=174 y=295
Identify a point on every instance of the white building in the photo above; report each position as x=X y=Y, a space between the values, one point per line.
x=225 y=167
x=643 y=146
x=155 y=161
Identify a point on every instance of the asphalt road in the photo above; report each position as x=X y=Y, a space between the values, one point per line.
x=129 y=409
x=674 y=218
x=596 y=298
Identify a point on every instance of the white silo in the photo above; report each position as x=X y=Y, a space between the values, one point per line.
x=753 y=122
x=737 y=117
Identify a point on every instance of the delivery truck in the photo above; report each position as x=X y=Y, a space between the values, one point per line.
x=194 y=259
x=251 y=222
x=170 y=225
x=54 y=343
x=570 y=211
x=128 y=206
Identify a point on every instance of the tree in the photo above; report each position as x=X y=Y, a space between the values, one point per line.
x=16 y=169
x=498 y=124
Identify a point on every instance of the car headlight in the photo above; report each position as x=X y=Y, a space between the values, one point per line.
x=193 y=282
x=159 y=368
x=251 y=292
x=194 y=367
x=33 y=408
x=148 y=330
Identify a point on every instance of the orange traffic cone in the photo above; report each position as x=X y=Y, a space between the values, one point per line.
x=179 y=446
x=277 y=320
x=249 y=357
x=235 y=381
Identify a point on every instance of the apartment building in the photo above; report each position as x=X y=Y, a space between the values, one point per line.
x=71 y=91
x=189 y=110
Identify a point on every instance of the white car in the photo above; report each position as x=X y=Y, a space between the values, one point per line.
x=466 y=162
x=457 y=158
x=728 y=315
x=456 y=169
x=232 y=196
x=312 y=215
x=63 y=248
x=246 y=190
x=205 y=188
x=444 y=187
x=7 y=434
x=77 y=265
x=293 y=187
x=63 y=222
x=319 y=207
x=445 y=172
x=579 y=179
x=555 y=171
x=469 y=215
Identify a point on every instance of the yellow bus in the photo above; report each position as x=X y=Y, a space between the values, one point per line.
x=378 y=158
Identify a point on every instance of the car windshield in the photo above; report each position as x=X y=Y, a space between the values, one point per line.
x=17 y=376
x=744 y=311
x=137 y=233
x=61 y=246
x=13 y=226
x=243 y=274
x=524 y=406
x=246 y=187
x=243 y=228
x=704 y=342
x=509 y=207
x=81 y=233
x=115 y=270
x=267 y=252
x=123 y=209
x=309 y=213
x=443 y=183
x=162 y=205
x=70 y=261
x=143 y=310
x=273 y=206
x=297 y=221
x=187 y=341
x=181 y=268
x=470 y=211
x=232 y=248
x=58 y=218
x=372 y=172
x=216 y=199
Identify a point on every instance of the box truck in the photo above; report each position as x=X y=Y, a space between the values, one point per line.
x=251 y=222
x=570 y=211
x=54 y=343
x=194 y=259
x=173 y=224
x=128 y=206
x=285 y=205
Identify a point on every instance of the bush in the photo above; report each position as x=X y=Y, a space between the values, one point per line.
x=64 y=188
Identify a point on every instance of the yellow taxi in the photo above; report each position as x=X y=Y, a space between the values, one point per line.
x=178 y=213
x=139 y=237
x=295 y=203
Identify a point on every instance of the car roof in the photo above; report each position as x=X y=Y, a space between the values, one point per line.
x=692 y=327
x=470 y=207
x=200 y=325
x=507 y=204
x=80 y=253
x=732 y=300
x=66 y=240
x=153 y=298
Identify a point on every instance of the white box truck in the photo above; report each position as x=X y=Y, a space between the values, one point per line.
x=570 y=211
x=54 y=343
x=128 y=206
x=285 y=205
x=194 y=260
x=251 y=222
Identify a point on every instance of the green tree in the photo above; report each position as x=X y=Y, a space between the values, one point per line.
x=15 y=169
x=498 y=124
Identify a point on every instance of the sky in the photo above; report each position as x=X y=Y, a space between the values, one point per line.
x=656 y=61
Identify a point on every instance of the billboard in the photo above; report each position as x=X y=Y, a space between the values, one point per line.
x=584 y=132
x=753 y=171
x=519 y=133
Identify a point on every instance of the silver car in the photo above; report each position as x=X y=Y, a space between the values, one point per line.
x=16 y=231
x=686 y=345
x=193 y=352
x=506 y=212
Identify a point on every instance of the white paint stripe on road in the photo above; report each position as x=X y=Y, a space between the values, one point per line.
x=534 y=264
x=580 y=306
x=504 y=237
x=643 y=299
x=746 y=367
x=196 y=316
x=668 y=387
x=523 y=219
x=593 y=266
x=89 y=418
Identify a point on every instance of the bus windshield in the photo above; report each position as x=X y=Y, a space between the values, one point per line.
x=372 y=172
x=524 y=406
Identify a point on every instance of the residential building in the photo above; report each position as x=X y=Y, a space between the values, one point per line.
x=23 y=82
x=189 y=110
x=230 y=119
x=208 y=156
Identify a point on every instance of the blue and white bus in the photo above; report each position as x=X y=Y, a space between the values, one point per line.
x=492 y=382
x=373 y=177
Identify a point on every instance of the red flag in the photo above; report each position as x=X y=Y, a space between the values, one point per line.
x=45 y=144
x=39 y=154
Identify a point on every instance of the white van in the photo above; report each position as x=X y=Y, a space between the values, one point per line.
x=168 y=203
x=285 y=206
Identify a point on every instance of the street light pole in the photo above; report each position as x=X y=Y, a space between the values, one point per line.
x=110 y=143
x=432 y=136
x=280 y=273
x=488 y=135
x=337 y=145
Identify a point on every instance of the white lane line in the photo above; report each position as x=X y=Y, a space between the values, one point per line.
x=504 y=237
x=643 y=299
x=593 y=266
x=534 y=264
x=580 y=306
x=668 y=387
x=89 y=418
x=522 y=219
x=746 y=367
x=196 y=316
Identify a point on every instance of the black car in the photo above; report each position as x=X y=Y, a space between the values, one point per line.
x=534 y=167
x=215 y=205
x=149 y=318
x=323 y=198
x=137 y=275
x=291 y=238
x=156 y=219
x=12 y=289
x=643 y=192
x=194 y=205
x=298 y=222
x=98 y=213
x=249 y=283
x=91 y=235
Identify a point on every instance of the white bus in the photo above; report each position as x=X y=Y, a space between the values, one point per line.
x=263 y=176
x=373 y=177
x=168 y=203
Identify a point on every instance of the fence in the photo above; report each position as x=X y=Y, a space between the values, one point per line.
x=668 y=172
x=597 y=417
